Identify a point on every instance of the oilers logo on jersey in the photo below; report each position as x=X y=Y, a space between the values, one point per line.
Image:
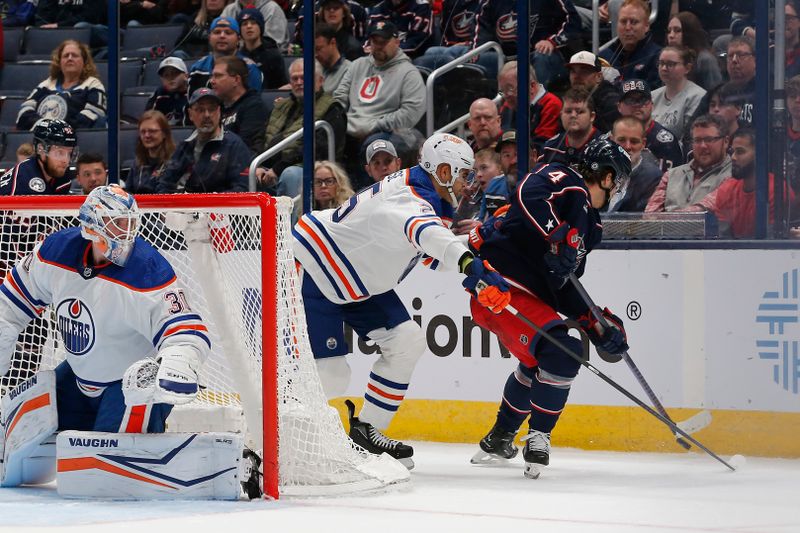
x=76 y=325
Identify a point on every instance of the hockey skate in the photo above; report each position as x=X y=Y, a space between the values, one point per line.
x=252 y=475
x=536 y=452
x=372 y=440
x=496 y=447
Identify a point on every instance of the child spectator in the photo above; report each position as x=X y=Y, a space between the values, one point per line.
x=24 y=151
x=170 y=99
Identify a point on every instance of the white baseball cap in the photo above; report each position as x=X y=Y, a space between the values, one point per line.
x=174 y=62
x=585 y=58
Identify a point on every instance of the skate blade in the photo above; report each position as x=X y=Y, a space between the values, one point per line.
x=407 y=462
x=533 y=470
x=484 y=458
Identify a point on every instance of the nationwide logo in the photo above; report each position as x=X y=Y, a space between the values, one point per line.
x=779 y=334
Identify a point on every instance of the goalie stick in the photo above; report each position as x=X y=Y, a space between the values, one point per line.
x=674 y=427
x=695 y=423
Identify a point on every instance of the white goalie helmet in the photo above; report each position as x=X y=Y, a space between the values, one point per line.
x=110 y=217
x=445 y=148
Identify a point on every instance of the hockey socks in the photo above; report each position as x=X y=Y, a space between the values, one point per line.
x=550 y=386
x=515 y=405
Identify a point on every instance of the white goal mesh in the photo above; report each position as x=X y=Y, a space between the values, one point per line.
x=233 y=255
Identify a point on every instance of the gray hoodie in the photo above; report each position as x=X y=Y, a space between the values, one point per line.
x=386 y=98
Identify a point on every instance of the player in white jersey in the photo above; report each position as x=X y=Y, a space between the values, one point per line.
x=116 y=301
x=354 y=256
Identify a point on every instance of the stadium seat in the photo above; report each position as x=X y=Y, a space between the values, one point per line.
x=94 y=141
x=11 y=141
x=130 y=72
x=19 y=79
x=9 y=110
x=127 y=144
x=180 y=134
x=45 y=40
x=138 y=37
x=287 y=62
x=472 y=84
x=150 y=73
x=269 y=97
x=133 y=106
x=12 y=43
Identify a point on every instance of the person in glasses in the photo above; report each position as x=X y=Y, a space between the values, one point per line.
x=675 y=102
x=331 y=185
x=686 y=185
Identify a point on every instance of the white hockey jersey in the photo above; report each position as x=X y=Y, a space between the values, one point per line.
x=369 y=244
x=108 y=317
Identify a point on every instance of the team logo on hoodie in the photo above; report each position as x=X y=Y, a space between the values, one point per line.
x=370 y=89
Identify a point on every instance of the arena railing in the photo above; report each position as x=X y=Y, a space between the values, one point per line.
x=429 y=100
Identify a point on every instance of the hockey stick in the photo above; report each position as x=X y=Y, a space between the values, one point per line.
x=558 y=344
x=603 y=323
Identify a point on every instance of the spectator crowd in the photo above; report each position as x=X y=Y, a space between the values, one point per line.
x=220 y=81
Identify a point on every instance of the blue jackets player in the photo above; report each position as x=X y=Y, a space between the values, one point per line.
x=48 y=170
x=551 y=224
x=354 y=256
x=118 y=306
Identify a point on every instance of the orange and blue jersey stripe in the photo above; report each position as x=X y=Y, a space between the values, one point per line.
x=340 y=273
x=182 y=325
x=414 y=226
x=17 y=293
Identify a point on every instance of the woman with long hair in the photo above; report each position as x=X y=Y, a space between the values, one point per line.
x=331 y=185
x=154 y=147
x=685 y=29
x=72 y=92
x=676 y=101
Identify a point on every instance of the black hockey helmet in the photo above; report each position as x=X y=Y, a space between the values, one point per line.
x=54 y=132
x=602 y=155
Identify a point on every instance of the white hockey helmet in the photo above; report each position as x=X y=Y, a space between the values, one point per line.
x=445 y=148
x=110 y=217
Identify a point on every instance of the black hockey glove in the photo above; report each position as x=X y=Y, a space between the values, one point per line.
x=612 y=340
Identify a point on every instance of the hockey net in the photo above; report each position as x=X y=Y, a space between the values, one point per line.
x=233 y=255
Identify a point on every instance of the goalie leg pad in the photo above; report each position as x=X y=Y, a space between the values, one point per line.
x=166 y=466
x=30 y=418
x=401 y=348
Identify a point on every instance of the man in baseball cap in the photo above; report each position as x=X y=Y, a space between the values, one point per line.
x=586 y=72
x=170 y=98
x=382 y=159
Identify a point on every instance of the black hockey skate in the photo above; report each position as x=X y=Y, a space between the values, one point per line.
x=536 y=452
x=496 y=447
x=251 y=474
x=372 y=440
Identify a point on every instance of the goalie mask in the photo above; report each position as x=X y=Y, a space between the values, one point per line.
x=443 y=148
x=110 y=218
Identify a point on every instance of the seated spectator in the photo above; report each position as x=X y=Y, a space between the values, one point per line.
x=326 y=50
x=585 y=72
x=507 y=148
x=84 y=13
x=635 y=54
x=412 y=19
x=633 y=192
x=675 y=102
x=686 y=185
x=383 y=93
x=331 y=185
x=458 y=26
x=170 y=98
x=793 y=133
x=154 y=147
x=556 y=25
x=609 y=13
x=243 y=111
x=24 y=151
x=284 y=173
x=492 y=182
x=637 y=101
x=577 y=118
x=48 y=170
x=19 y=13
x=274 y=18
x=72 y=92
x=685 y=30
x=382 y=160
x=483 y=124
x=734 y=202
x=211 y=159
x=727 y=102
x=140 y=12
x=261 y=49
x=791 y=36
x=224 y=41
x=347 y=19
x=195 y=41
x=545 y=106
x=92 y=173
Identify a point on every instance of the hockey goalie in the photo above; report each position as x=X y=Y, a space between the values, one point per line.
x=134 y=348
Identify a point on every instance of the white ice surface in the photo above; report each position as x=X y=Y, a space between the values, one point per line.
x=580 y=491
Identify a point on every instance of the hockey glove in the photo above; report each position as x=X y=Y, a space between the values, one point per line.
x=484 y=283
x=612 y=340
x=562 y=259
x=176 y=382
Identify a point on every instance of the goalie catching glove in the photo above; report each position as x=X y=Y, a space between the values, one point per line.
x=613 y=340
x=171 y=380
x=484 y=283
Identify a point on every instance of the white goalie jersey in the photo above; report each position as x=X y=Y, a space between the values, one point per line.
x=108 y=317
x=369 y=244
